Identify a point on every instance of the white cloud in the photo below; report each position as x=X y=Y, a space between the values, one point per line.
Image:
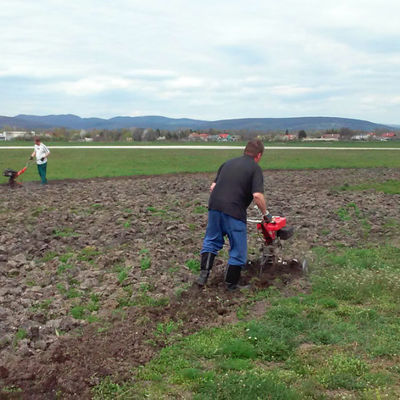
x=201 y=59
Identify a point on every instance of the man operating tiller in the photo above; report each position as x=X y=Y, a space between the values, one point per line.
x=239 y=181
x=41 y=152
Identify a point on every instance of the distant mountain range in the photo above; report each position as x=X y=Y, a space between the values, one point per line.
x=69 y=121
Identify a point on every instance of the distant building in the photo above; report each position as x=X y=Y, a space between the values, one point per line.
x=289 y=137
x=226 y=137
x=10 y=135
x=389 y=135
x=362 y=136
x=331 y=136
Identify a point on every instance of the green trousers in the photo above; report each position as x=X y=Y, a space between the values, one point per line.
x=42 y=172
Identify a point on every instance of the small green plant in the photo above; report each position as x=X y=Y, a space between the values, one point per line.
x=65 y=232
x=200 y=210
x=37 y=211
x=107 y=389
x=64 y=267
x=10 y=389
x=78 y=312
x=193 y=265
x=43 y=305
x=73 y=293
x=122 y=275
x=88 y=254
x=21 y=334
x=61 y=288
x=156 y=211
x=93 y=304
x=343 y=214
x=164 y=331
x=50 y=255
x=145 y=263
x=145 y=287
x=65 y=257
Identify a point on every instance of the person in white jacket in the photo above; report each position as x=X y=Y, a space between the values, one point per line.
x=41 y=152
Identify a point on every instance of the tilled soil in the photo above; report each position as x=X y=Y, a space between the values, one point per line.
x=91 y=271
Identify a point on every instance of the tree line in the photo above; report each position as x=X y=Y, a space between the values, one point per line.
x=150 y=134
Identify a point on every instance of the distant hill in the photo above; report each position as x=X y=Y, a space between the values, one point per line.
x=69 y=121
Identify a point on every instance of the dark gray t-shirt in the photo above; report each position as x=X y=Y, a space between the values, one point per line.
x=236 y=181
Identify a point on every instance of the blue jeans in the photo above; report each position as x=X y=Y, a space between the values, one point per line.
x=219 y=225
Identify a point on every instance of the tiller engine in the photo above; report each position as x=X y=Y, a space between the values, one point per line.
x=13 y=175
x=273 y=232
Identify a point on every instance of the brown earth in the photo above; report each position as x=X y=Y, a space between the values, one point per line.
x=93 y=271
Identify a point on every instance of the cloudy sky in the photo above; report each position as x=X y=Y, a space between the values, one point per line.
x=209 y=59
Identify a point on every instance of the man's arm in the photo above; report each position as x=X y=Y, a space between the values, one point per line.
x=215 y=180
x=46 y=151
x=259 y=199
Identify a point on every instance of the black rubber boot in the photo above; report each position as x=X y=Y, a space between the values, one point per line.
x=207 y=261
x=232 y=277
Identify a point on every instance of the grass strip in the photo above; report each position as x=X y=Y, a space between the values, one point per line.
x=83 y=163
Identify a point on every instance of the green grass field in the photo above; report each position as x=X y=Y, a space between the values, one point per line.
x=89 y=163
x=340 y=341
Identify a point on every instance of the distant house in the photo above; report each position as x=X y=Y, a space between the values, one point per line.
x=289 y=137
x=3 y=136
x=10 y=135
x=361 y=136
x=389 y=135
x=331 y=136
x=226 y=137
x=196 y=137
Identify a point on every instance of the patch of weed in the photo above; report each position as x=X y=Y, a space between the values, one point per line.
x=155 y=211
x=108 y=389
x=193 y=265
x=145 y=263
x=78 y=312
x=391 y=186
x=65 y=232
x=65 y=257
x=88 y=253
x=49 y=255
x=244 y=386
x=63 y=268
x=239 y=348
x=21 y=334
x=200 y=210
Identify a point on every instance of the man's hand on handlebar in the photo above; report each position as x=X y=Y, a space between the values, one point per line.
x=267 y=217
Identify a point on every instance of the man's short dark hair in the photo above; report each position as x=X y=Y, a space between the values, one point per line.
x=254 y=147
x=36 y=139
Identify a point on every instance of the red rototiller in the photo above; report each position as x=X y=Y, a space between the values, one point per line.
x=12 y=175
x=273 y=232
